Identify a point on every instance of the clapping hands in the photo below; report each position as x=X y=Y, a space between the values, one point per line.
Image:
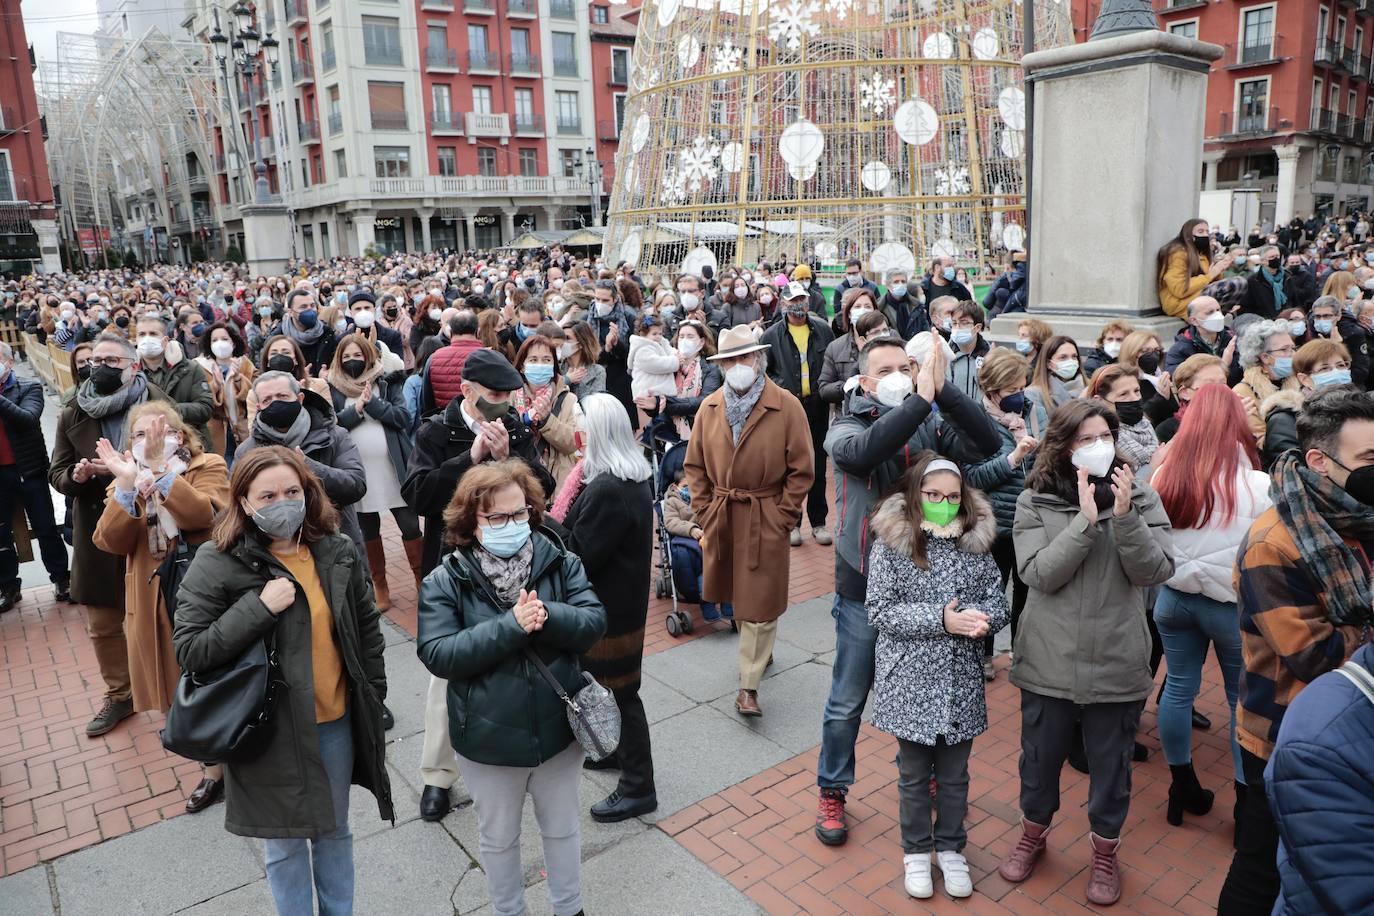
x=969 y=622
x=529 y=611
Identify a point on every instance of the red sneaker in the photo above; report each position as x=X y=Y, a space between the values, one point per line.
x=831 y=828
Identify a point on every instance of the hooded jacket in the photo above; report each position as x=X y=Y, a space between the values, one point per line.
x=928 y=683
x=1205 y=557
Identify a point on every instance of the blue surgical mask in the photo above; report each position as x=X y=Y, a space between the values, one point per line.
x=898 y=290
x=265 y=311
x=523 y=333
x=961 y=336
x=1297 y=328
x=505 y=541
x=542 y=373
x=949 y=273
x=1321 y=325
x=1334 y=377
x=1283 y=366
x=341 y=298
x=947 y=323
x=1024 y=346
x=307 y=318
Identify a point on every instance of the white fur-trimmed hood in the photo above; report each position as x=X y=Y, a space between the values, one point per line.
x=891 y=525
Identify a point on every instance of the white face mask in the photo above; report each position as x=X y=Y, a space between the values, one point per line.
x=892 y=389
x=1066 y=368
x=149 y=346
x=436 y=314
x=1214 y=322
x=689 y=347
x=690 y=301
x=478 y=288
x=1096 y=458
x=1112 y=348
x=741 y=292
x=858 y=312
x=604 y=308
x=566 y=350
x=741 y=376
x=364 y=319
x=169 y=446
x=223 y=349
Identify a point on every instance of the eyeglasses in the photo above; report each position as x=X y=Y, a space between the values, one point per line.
x=932 y=496
x=114 y=362
x=1091 y=440
x=502 y=519
x=1288 y=350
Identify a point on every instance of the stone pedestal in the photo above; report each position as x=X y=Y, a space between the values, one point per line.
x=365 y=227
x=266 y=238
x=1117 y=153
x=49 y=245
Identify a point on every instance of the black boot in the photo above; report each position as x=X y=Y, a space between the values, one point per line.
x=1238 y=812
x=1186 y=794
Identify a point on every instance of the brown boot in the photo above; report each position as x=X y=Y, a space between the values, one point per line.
x=376 y=561
x=1104 y=886
x=747 y=703
x=415 y=553
x=1020 y=862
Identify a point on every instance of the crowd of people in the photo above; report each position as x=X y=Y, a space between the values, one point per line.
x=1115 y=506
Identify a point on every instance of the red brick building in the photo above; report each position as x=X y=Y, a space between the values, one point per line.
x=28 y=219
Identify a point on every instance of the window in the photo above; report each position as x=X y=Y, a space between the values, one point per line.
x=443 y=101
x=327 y=46
x=381 y=41
x=486 y=162
x=391 y=161
x=305 y=174
x=1359 y=38
x=1187 y=28
x=1350 y=103
x=1340 y=31
x=437 y=37
x=481 y=99
x=600 y=15
x=529 y=162
x=1252 y=105
x=334 y=107
x=569 y=117
x=564 y=54
x=569 y=160
x=520 y=44
x=478 y=53
x=524 y=106
x=1257 y=34
x=620 y=66
x=387 y=102
x=308 y=237
x=448 y=161
x=619 y=101
x=340 y=164
x=1323 y=21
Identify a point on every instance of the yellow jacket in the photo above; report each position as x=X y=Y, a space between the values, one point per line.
x=1178 y=289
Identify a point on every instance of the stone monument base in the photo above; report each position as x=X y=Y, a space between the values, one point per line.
x=1083 y=328
x=266 y=238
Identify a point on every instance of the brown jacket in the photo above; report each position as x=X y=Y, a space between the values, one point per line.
x=239 y=389
x=558 y=434
x=678 y=517
x=196 y=495
x=748 y=498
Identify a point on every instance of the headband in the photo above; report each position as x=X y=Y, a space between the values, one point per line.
x=942 y=464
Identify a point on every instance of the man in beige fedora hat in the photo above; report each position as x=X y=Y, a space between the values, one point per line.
x=749 y=467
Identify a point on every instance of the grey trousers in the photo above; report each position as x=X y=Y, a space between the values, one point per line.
x=916 y=763
x=1047 y=730
x=499 y=795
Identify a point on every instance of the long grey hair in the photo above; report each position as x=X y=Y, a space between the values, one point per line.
x=611 y=447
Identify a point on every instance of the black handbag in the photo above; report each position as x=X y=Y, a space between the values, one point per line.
x=170 y=572
x=225 y=716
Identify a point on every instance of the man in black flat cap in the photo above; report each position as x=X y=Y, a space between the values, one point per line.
x=479 y=426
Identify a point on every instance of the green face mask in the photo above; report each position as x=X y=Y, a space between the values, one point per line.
x=940 y=514
x=491 y=411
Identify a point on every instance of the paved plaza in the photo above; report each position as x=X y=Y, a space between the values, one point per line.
x=97 y=826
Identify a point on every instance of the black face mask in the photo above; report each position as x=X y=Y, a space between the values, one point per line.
x=84 y=372
x=1203 y=244
x=122 y=321
x=1360 y=482
x=280 y=414
x=1274 y=264
x=353 y=367
x=1130 y=412
x=281 y=363
x=1148 y=362
x=106 y=379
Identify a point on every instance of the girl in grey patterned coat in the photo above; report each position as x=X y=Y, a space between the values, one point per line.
x=933 y=591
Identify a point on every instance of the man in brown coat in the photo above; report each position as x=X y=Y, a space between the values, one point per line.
x=749 y=467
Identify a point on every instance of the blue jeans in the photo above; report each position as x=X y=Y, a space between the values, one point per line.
x=1187 y=623
x=850 y=681
x=325 y=862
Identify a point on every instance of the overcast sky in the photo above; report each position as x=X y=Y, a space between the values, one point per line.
x=43 y=19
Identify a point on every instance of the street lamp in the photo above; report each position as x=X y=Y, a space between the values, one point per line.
x=237 y=54
x=590 y=168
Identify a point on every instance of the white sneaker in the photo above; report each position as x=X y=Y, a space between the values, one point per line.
x=954 y=868
x=918 y=883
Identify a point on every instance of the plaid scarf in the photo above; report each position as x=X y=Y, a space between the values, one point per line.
x=1319 y=514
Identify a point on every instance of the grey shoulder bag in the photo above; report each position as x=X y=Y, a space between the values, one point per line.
x=593 y=715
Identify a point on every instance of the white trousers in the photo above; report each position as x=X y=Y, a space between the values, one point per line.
x=438 y=762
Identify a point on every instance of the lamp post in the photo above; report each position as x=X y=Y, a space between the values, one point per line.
x=590 y=167
x=244 y=42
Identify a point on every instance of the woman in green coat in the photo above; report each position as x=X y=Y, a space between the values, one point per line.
x=509 y=589
x=278 y=568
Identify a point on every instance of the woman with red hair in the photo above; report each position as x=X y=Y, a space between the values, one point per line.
x=1212 y=490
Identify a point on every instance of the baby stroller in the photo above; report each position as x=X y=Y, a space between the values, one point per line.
x=666 y=454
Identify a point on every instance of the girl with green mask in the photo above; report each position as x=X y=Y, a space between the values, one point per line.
x=934 y=591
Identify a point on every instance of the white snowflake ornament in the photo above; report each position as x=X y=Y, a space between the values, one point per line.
x=787 y=24
x=697 y=164
x=840 y=8
x=951 y=181
x=672 y=190
x=726 y=58
x=877 y=93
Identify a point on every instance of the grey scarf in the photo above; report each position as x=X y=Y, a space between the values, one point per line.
x=110 y=409
x=507 y=574
x=304 y=338
x=291 y=437
x=738 y=406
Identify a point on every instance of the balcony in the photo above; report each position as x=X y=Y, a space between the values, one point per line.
x=336 y=124
x=529 y=124
x=562 y=9
x=1328 y=54
x=438 y=6
x=483 y=61
x=327 y=60
x=527 y=64
x=198 y=183
x=1258 y=52
x=607 y=130
x=439 y=59
x=1323 y=121
x=1350 y=59
x=390 y=120
x=309 y=132
x=480 y=7
x=569 y=125
x=1165 y=6
x=396 y=186
x=483 y=124
x=382 y=55
x=302 y=72
x=296 y=13
x=9 y=123
x=446 y=122
x=528 y=9
x=565 y=66
x=1366 y=8
x=1251 y=124
x=618 y=75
